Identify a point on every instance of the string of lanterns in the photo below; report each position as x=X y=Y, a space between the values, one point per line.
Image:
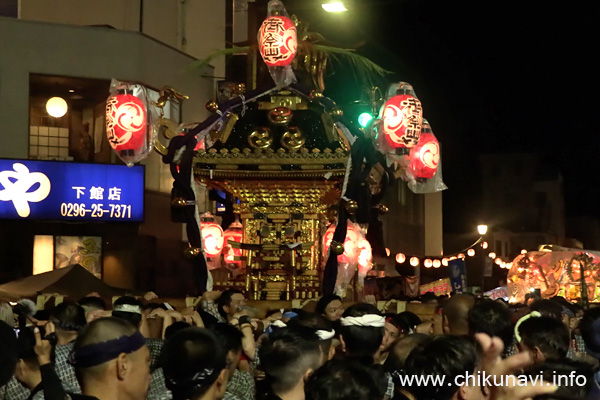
x=437 y=262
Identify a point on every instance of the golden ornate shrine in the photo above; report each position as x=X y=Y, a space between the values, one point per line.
x=281 y=162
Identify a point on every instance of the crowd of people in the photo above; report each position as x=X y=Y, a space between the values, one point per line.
x=222 y=349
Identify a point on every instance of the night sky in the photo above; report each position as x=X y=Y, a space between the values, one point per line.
x=493 y=77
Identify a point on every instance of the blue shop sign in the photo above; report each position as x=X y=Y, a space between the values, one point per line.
x=66 y=191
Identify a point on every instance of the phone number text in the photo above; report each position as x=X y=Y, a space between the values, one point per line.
x=96 y=210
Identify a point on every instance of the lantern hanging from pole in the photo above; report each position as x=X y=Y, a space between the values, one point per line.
x=213 y=237
x=350 y=244
x=127 y=122
x=402 y=117
x=425 y=157
x=277 y=43
x=232 y=234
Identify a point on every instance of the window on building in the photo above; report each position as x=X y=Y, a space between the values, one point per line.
x=77 y=135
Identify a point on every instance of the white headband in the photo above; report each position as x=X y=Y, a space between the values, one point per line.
x=279 y=324
x=533 y=314
x=128 y=308
x=370 y=320
x=325 y=335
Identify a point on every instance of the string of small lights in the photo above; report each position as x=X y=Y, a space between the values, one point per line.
x=439 y=261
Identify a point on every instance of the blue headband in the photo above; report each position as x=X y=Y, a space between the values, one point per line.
x=289 y=314
x=185 y=387
x=99 y=353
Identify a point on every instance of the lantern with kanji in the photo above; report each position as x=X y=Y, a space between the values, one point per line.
x=232 y=234
x=127 y=125
x=425 y=157
x=402 y=116
x=277 y=41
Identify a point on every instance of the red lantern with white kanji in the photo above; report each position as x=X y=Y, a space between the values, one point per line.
x=126 y=122
x=425 y=157
x=402 y=116
x=277 y=41
x=213 y=238
x=233 y=234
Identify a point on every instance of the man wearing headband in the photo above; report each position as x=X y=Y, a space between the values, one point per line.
x=128 y=308
x=361 y=334
x=111 y=360
x=34 y=369
x=68 y=319
x=288 y=357
x=322 y=327
x=362 y=329
x=240 y=384
x=545 y=338
x=195 y=365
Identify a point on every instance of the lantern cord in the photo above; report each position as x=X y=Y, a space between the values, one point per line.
x=346 y=177
x=450 y=254
x=244 y=106
x=470 y=247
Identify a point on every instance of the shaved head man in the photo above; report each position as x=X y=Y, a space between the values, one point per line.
x=455 y=314
x=112 y=361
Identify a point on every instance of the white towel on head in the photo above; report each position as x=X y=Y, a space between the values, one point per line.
x=370 y=320
x=325 y=335
x=279 y=324
x=128 y=308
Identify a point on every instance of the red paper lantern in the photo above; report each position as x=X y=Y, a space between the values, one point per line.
x=277 y=41
x=213 y=238
x=425 y=157
x=350 y=243
x=234 y=234
x=402 y=116
x=126 y=122
x=365 y=256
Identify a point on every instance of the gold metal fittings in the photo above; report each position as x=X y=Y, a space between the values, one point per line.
x=261 y=138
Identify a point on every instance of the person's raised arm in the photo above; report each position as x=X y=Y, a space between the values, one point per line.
x=493 y=365
x=52 y=386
